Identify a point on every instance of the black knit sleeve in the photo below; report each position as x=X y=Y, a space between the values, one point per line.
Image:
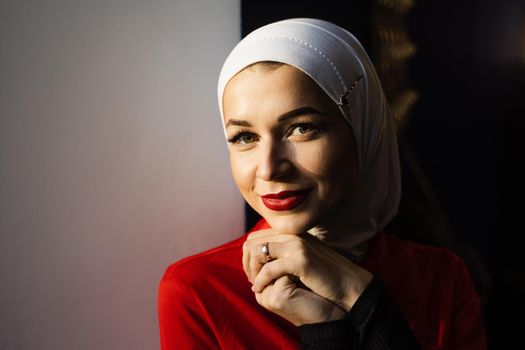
x=374 y=323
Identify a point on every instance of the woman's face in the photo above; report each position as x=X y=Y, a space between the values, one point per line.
x=292 y=153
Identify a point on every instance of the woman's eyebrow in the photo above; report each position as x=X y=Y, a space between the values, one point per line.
x=238 y=123
x=288 y=115
x=298 y=111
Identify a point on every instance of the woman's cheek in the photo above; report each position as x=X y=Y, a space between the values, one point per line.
x=312 y=157
x=242 y=170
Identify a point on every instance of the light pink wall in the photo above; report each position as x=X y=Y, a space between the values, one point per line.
x=112 y=163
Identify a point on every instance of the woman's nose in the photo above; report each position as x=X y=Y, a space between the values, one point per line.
x=274 y=161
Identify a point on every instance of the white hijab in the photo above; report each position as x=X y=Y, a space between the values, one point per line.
x=335 y=60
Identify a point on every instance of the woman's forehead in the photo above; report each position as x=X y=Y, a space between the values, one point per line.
x=259 y=87
x=284 y=92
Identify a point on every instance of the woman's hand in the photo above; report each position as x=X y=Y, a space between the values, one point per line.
x=316 y=267
x=297 y=305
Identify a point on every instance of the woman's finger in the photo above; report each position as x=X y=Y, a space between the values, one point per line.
x=257 y=260
x=275 y=259
x=262 y=254
x=275 y=250
x=261 y=233
x=276 y=296
x=246 y=259
x=297 y=305
x=257 y=241
x=253 y=250
x=265 y=252
x=277 y=247
x=273 y=271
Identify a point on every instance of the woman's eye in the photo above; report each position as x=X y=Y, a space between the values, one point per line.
x=246 y=138
x=303 y=129
x=242 y=138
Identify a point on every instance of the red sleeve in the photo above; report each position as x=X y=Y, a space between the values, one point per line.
x=182 y=320
x=467 y=329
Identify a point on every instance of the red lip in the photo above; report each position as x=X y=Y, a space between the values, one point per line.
x=285 y=200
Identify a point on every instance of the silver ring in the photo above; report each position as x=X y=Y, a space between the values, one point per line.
x=266 y=251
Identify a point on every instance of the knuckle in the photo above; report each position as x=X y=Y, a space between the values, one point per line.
x=254 y=268
x=252 y=249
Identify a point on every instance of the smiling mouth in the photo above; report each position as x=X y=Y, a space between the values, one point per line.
x=285 y=200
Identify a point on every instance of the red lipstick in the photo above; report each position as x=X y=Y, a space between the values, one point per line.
x=285 y=200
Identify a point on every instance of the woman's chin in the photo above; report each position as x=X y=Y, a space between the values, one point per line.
x=289 y=226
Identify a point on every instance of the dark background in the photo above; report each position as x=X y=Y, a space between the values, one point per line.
x=465 y=133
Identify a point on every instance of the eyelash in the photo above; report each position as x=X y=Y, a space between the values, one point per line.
x=237 y=136
x=312 y=128
x=308 y=125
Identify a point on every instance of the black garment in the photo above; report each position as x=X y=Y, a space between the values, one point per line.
x=374 y=323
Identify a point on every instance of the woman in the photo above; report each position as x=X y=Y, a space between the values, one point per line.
x=313 y=150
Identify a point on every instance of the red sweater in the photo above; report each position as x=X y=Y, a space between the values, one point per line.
x=205 y=300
